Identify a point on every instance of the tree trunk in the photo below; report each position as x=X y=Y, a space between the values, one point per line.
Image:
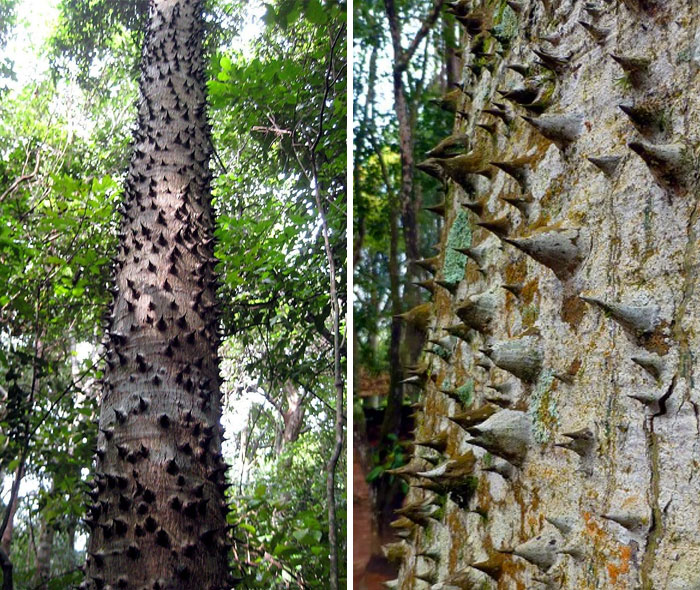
x=159 y=516
x=6 y=567
x=9 y=517
x=585 y=473
x=43 y=557
x=409 y=202
x=292 y=418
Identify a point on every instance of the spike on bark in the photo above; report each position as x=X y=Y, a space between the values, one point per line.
x=562 y=130
x=558 y=249
x=505 y=434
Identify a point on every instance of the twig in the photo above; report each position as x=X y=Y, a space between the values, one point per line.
x=23 y=178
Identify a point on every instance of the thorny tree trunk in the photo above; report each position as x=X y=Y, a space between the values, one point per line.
x=569 y=402
x=159 y=517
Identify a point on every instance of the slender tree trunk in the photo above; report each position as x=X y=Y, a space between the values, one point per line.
x=9 y=516
x=293 y=418
x=42 y=571
x=159 y=517
x=409 y=208
x=408 y=202
x=452 y=73
x=43 y=556
x=392 y=414
x=6 y=566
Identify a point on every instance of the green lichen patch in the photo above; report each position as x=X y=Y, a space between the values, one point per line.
x=460 y=236
x=466 y=392
x=442 y=352
x=543 y=409
x=506 y=27
x=530 y=314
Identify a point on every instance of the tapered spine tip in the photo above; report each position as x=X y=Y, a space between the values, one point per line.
x=558 y=249
x=606 y=164
x=562 y=130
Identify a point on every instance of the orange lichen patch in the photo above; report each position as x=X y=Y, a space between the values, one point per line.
x=657 y=341
x=572 y=310
x=458 y=532
x=574 y=367
x=533 y=522
x=512 y=568
x=516 y=272
x=615 y=570
x=594 y=531
x=529 y=291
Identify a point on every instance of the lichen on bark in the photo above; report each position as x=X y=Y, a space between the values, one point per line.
x=459 y=236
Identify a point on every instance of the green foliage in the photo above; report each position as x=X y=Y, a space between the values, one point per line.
x=268 y=110
x=281 y=521
x=7 y=21
x=391 y=455
x=376 y=140
x=92 y=30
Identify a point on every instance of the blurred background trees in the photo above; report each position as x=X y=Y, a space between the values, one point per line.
x=406 y=58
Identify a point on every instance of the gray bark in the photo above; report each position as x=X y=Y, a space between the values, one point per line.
x=159 y=517
x=572 y=409
x=43 y=557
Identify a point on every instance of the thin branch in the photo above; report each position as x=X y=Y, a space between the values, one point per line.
x=23 y=178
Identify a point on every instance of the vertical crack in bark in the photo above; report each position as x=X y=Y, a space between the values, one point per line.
x=656 y=530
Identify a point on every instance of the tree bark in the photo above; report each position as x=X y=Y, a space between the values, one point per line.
x=43 y=557
x=159 y=517
x=9 y=517
x=571 y=405
x=6 y=566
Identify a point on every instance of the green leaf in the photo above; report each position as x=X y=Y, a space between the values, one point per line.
x=315 y=13
x=375 y=473
x=300 y=534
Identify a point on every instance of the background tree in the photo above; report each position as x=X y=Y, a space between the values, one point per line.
x=396 y=122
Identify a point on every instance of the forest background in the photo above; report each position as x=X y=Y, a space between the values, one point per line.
x=277 y=89
x=406 y=68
